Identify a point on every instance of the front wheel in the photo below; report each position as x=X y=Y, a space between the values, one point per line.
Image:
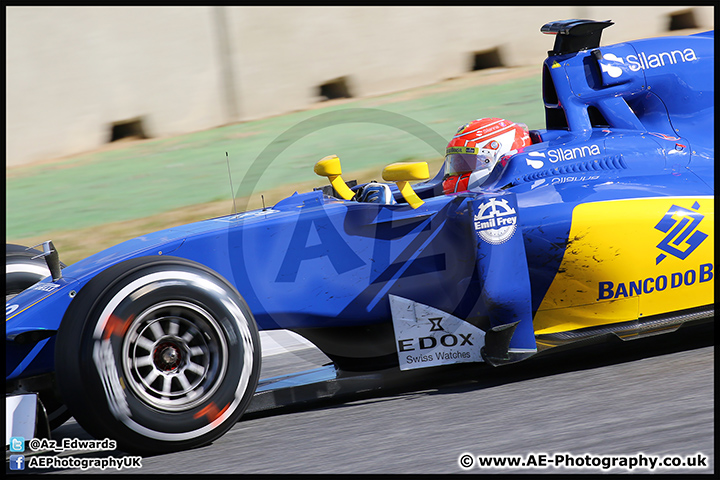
x=158 y=353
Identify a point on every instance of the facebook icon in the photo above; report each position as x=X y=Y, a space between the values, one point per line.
x=17 y=462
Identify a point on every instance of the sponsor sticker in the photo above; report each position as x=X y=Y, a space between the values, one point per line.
x=647 y=61
x=572 y=178
x=612 y=70
x=427 y=337
x=631 y=288
x=462 y=150
x=44 y=287
x=535 y=163
x=572 y=153
x=495 y=221
x=680 y=224
x=665 y=263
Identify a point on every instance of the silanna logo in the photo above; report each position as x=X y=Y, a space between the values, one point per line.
x=680 y=224
x=646 y=61
x=562 y=155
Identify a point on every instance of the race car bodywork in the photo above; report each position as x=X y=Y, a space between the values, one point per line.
x=604 y=225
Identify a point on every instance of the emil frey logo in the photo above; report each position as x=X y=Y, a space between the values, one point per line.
x=680 y=224
x=495 y=221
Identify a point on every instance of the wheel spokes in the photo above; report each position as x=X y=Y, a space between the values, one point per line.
x=174 y=328
x=144 y=361
x=184 y=382
x=167 y=385
x=175 y=355
x=157 y=330
x=145 y=344
x=196 y=351
x=151 y=377
x=195 y=368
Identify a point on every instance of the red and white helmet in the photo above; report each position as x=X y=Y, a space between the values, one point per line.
x=476 y=148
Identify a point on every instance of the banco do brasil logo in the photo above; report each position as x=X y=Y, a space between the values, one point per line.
x=681 y=226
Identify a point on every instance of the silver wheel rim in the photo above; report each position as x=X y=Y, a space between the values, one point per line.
x=175 y=355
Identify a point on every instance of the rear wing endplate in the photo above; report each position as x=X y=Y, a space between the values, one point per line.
x=574 y=35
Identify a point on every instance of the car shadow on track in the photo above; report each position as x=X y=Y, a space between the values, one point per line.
x=591 y=355
x=472 y=377
x=586 y=355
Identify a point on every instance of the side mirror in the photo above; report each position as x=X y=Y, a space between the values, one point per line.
x=330 y=167
x=402 y=173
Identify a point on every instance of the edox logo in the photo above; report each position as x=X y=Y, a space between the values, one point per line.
x=436 y=325
x=682 y=237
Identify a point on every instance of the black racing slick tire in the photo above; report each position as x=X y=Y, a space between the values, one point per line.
x=158 y=353
x=23 y=271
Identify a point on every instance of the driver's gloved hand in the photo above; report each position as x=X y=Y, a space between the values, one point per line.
x=375 y=192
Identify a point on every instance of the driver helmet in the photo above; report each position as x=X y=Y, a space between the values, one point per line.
x=476 y=148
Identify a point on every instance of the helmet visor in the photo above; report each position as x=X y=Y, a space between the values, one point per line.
x=457 y=163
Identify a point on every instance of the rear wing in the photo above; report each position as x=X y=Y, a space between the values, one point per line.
x=574 y=35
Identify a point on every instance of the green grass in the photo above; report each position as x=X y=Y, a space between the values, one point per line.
x=150 y=177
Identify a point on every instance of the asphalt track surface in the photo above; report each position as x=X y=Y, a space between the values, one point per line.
x=652 y=396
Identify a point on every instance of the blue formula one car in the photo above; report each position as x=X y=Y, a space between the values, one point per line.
x=602 y=226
